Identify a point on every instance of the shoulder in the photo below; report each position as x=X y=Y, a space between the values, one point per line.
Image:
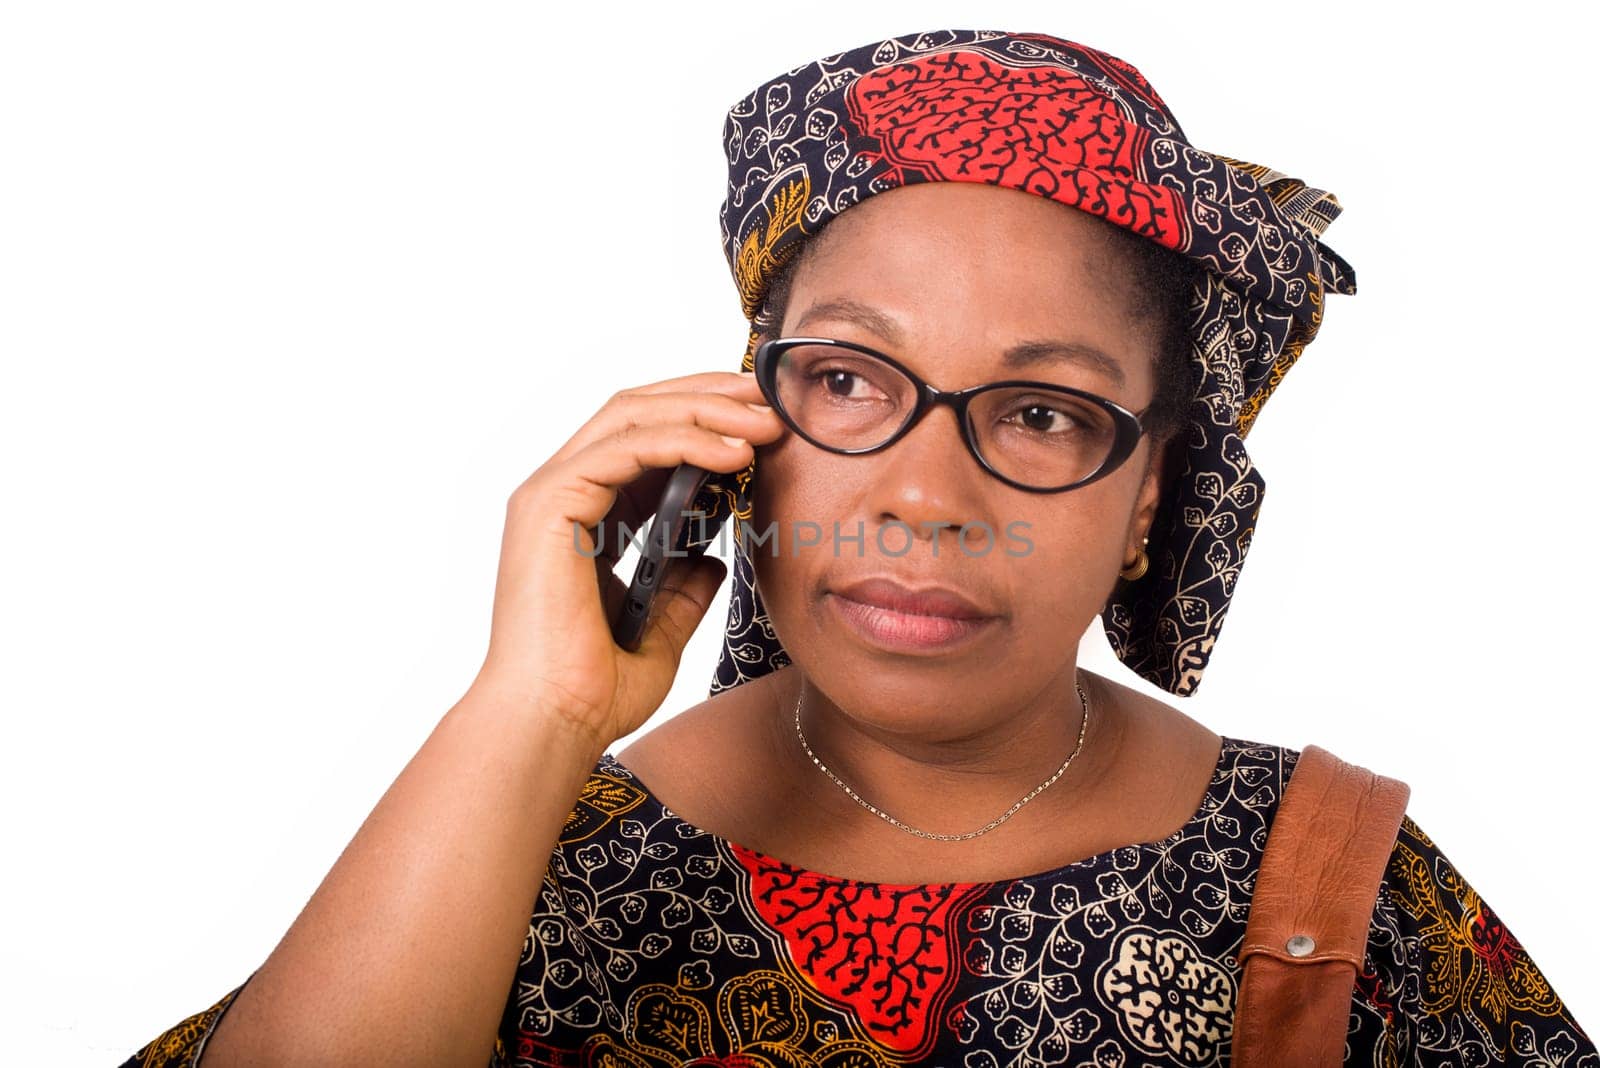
x=1449 y=970
x=1156 y=742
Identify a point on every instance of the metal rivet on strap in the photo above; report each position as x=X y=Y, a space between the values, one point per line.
x=1300 y=945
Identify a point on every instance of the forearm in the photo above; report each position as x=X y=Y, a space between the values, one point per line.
x=408 y=949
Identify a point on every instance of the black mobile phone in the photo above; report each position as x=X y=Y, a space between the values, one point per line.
x=674 y=525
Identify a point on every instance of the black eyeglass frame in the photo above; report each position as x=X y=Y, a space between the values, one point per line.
x=1127 y=426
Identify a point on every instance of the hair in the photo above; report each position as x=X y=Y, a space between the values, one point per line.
x=1158 y=281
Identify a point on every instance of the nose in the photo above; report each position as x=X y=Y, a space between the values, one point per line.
x=929 y=481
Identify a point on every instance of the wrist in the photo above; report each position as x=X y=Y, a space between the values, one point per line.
x=552 y=722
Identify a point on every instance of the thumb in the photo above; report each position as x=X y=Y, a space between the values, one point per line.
x=680 y=606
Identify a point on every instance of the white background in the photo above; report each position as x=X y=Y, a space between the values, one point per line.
x=294 y=295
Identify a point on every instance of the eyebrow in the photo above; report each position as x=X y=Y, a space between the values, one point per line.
x=1017 y=357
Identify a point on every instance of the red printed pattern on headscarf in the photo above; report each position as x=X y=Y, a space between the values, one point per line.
x=1044 y=130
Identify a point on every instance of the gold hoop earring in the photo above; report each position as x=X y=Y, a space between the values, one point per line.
x=1136 y=570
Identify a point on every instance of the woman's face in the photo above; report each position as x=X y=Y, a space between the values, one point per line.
x=956 y=273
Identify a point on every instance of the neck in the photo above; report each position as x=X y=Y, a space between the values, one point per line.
x=948 y=777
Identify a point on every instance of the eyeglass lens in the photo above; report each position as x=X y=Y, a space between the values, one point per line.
x=849 y=400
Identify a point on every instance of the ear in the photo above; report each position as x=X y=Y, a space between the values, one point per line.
x=1157 y=460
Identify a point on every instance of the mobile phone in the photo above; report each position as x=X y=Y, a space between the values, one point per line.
x=674 y=525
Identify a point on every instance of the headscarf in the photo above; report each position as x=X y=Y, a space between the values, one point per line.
x=1065 y=121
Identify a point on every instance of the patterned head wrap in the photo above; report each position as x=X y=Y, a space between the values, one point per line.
x=1064 y=121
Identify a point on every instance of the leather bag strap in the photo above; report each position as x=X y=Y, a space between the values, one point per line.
x=1306 y=938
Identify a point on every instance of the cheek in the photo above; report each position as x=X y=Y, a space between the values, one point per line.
x=795 y=483
x=1077 y=545
x=773 y=483
x=779 y=500
x=1067 y=545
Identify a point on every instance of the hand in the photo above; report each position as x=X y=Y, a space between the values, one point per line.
x=550 y=644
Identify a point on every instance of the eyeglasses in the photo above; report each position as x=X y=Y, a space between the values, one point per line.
x=850 y=399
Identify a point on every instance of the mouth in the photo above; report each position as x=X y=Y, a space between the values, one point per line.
x=932 y=601
x=903 y=631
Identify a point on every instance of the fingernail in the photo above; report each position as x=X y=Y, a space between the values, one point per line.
x=762 y=408
x=732 y=440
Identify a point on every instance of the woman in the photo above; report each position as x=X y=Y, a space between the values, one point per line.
x=929 y=837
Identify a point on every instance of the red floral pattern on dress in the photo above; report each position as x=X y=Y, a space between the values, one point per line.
x=886 y=951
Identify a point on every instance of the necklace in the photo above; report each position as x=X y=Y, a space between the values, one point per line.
x=991 y=825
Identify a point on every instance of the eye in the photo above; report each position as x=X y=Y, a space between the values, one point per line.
x=1045 y=418
x=841 y=381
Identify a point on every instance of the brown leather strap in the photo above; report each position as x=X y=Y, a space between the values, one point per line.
x=1306 y=937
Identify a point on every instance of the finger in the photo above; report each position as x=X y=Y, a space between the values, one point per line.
x=726 y=408
x=698 y=382
x=629 y=510
x=636 y=502
x=682 y=605
x=587 y=485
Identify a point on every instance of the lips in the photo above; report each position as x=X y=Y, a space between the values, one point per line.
x=929 y=601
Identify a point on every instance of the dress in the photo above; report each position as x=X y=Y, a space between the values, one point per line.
x=657 y=942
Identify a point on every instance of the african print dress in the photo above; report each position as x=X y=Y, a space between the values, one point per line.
x=656 y=942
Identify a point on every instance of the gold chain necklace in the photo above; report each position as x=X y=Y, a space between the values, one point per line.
x=1083 y=698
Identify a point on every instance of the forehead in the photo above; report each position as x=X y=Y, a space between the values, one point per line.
x=1014 y=360
x=942 y=266
x=966 y=207
x=974 y=235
